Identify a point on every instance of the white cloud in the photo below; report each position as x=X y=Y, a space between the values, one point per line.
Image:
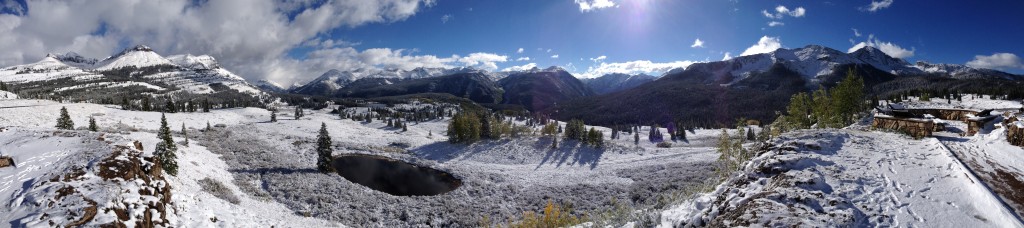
x=997 y=61
x=520 y=51
x=634 y=67
x=856 y=32
x=697 y=43
x=549 y=50
x=890 y=49
x=879 y=5
x=775 y=23
x=727 y=56
x=521 y=68
x=782 y=11
x=764 y=45
x=483 y=60
x=554 y=56
x=590 y=5
x=599 y=58
x=523 y=59
x=251 y=38
x=446 y=18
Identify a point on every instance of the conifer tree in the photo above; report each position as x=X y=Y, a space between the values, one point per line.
x=184 y=133
x=64 y=121
x=92 y=124
x=405 y=127
x=169 y=107
x=124 y=104
x=146 y=106
x=750 y=134
x=324 y=150
x=273 y=116
x=298 y=112
x=206 y=105
x=554 y=142
x=636 y=138
x=165 y=149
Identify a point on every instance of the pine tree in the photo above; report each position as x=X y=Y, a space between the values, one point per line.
x=146 y=106
x=324 y=150
x=750 y=134
x=64 y=121
x=165 y=149
x=298 y=112
x=405 y=127
x=3 y=86
x=636 y=138
x=798 y=111
x=92 y=124
x=554 y=142
x=273 y=116
x=184 y=133
x=206 y=105
x=124 y=104
x=169 y=107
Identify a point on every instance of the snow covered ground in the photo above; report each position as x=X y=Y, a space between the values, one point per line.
x=266 y=176
x=848 y=178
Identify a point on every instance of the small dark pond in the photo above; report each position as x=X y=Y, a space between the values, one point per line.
x=394 y=177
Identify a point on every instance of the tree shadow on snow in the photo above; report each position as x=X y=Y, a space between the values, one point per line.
x=582 y=154
x=281 y=170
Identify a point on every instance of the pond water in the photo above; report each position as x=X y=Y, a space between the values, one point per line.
x=393 y=176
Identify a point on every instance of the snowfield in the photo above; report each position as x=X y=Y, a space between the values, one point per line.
x=262 y=173
x=249 y=172
x=848 y=178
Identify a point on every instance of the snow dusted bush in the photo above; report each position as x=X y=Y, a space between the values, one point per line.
x=218 y=189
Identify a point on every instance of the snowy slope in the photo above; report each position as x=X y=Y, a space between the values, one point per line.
x=194 y=74
x=848 y=178
x=333 y=80
x=139 y=56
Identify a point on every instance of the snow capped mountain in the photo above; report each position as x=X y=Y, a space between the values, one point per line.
x=137 y=67
x=813 y=62
x=334 y=80
x=616 y=82
x=139 y=56
x=268 y=85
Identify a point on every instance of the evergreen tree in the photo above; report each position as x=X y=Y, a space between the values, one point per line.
x=273 y=116
x=576 y=130
x=165 y=149
x=821 y=108
x=799 y=110
x=169 y=107
x=750 y=134
x=682 y=133
x=554 y=142
x=405 y=127
x=124 y=104
x=184 y=133
x=3 y=86
x=206 y=105
x=595 y=138
x=636 y=138
x=64 y=121
x=298 y=112
x=92 y=124
x=324 y=150
x=464 y=128
x=146 y=106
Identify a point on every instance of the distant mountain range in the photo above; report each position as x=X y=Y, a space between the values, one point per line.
x=132 y=73
x=758 y=86
x=705 y=94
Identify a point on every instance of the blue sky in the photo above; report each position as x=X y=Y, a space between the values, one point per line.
x=293 y=41
x=663 y=31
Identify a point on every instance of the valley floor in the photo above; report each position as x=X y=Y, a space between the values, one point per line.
x=264 y=174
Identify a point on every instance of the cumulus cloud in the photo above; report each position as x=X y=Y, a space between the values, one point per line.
x=520 y=51
x=328 y=43
x=528 y=66
x=590 y=5
x=764 y=45
x=877 y=5
x=634 y=67
x=446 y=18
x=248 y=37
x=599 y=58
x=483 y=60
x=697 y=43
x=775 y=23
x=554 y=56
x=997 y=61
x=888 y=48
x=782 y=11
x=523 y=59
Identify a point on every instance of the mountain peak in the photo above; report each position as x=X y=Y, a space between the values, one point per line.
x=141 y=47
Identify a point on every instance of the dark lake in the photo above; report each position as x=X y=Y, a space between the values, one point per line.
x=393 y=176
